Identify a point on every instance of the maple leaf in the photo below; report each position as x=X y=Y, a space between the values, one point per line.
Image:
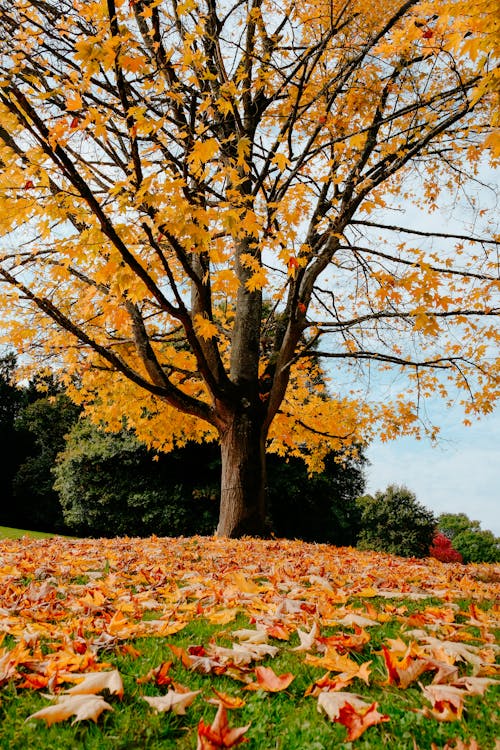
x=474 y=685
x=307 y=640
x=219 y=734
x=326 y=683
x=350 y=710
x=446 y=700
x=80 y=706
x=268 y=680
x=174 y=701
x=94 y=682
x=159 y=675
x=251 y=635
x=229 y=701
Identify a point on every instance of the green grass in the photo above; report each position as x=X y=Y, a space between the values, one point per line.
x=8 y=533
x=280 y=721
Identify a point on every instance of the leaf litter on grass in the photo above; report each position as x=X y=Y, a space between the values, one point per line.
x=66 y=605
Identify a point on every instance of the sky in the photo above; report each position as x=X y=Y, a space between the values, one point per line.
x=461 y=474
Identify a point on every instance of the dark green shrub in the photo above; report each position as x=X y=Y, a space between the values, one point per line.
x=394 y=521
x=110 y=485
x=317 y=508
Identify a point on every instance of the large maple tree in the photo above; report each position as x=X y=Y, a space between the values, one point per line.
x=191 y=201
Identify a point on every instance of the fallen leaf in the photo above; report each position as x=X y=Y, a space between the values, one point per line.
x=229 y=701
x=80 y=706
x=447 y=702
x=350 y=710
x=94 y=682
x=172 y=701
x=219 y=734
x=268 y=680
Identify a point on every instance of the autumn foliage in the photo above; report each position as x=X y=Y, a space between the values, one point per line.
x=200 y=205
x=442 y=549
x=72 y=608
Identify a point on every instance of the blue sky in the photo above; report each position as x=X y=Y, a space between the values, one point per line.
x=461 y=474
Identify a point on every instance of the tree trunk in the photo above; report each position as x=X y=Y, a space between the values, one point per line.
x=243 y=481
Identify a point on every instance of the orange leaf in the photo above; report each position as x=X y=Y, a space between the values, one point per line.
x=268 y=680
x=218 y=734
x=351 y=711
x=229 y=701
x=357 y=723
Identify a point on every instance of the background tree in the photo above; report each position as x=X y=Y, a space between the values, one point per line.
x=109 y=484
x=14 y=444
x=165 y=165
x=469 y=539
x=317 y=508
x=394 y=521
x=46 y=420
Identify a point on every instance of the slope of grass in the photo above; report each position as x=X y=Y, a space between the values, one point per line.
x=8 y=533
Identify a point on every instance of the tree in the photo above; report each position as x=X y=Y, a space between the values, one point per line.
x=46 y=420
x=452 y=524
x=478 y=546
x=13 y=443
x=109 y=484
x=166 y=166
x=472 y=542
x=317 y=508
x=394 y=521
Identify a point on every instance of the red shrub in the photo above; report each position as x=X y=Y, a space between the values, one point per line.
x=442 y=549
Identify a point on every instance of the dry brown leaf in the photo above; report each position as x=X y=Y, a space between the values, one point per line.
x=268 y=680
x=172 y=701
x=80 y=706
x=94 y=682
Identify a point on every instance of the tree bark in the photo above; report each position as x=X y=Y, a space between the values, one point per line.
x=243 y=481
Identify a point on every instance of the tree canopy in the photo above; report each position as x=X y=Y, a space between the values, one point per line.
x=169 y=167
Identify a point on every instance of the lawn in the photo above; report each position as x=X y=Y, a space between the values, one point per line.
x=7 y=533
x=296 y=646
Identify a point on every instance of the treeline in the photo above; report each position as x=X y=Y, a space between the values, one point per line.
x=62 y=474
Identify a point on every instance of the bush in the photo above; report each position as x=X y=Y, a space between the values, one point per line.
x=476 y=545
x=110 y=485
x=393 y=521
x=317 y=508
x=442 y=549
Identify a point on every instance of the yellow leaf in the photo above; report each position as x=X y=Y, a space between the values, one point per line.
x=243 y=149
x=74 y=101
x=281 y=161
x=205 y=327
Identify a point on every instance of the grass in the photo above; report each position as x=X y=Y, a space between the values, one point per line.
x=286 y=720
x=8 y=533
